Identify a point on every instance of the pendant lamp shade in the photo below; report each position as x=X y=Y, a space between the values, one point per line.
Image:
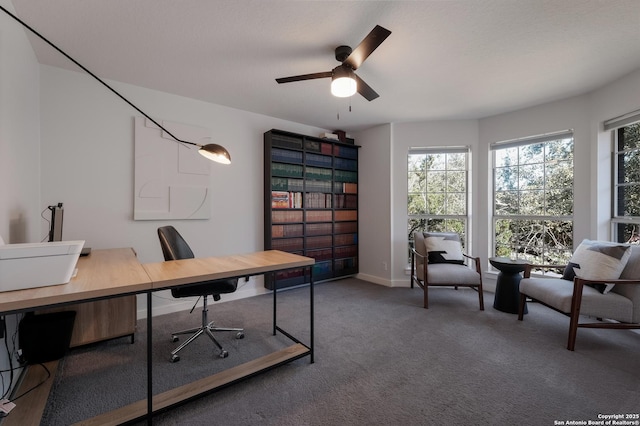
x=215 y=153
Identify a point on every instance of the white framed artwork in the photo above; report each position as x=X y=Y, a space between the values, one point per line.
x=171 y=180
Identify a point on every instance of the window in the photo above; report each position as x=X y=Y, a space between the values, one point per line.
x=533 y=198
x=626 y=184
x=437 y=191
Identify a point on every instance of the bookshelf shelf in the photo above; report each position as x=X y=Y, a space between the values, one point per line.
x=311 y=205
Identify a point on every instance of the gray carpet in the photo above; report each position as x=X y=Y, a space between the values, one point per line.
x=381 y=359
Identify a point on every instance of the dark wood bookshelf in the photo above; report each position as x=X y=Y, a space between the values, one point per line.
x=311 y=205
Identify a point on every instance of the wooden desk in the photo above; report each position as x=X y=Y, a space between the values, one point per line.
x=103 y=274
x=113 y=273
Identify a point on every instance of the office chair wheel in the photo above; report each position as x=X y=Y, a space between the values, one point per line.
x=223 y=354
x=174 y=339
x=174 y=358
x=240 y=335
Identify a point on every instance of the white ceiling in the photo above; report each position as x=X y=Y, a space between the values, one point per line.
x=443 y=60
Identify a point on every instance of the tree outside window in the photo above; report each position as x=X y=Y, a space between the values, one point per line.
x=437 y=191
x=533 y=199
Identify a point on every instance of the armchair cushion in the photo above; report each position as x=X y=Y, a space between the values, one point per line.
x=598 y=260
x=558 y=293
x=443 y=247
x=451 y=274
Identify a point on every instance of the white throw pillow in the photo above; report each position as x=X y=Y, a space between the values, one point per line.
x=443 y=247
x=598 y=260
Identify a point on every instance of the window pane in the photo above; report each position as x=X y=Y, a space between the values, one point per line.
x=457 y=161
x=531 y=154
x=436 y=161
x=559 y=175
x=506 y=202
x=629 y=137
x=532 y=203
x=416 y=182
x=506 y=157
x=559 y=150
x=539 y=241
x=436 y=203
x=456 y=181
x=531 y=177
x=416 y=162
x=436 y=181
x=417 y=204
x=628 y=233
x=559 y=202
x=629 y=167
x=506 y=178
x=629 y=200
x=456 y=204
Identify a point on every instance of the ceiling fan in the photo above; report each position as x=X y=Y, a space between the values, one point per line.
x=344 y=82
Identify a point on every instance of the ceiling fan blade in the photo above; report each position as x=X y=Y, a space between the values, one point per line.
x=304 y=77
x=365 y=90
x=367 y=46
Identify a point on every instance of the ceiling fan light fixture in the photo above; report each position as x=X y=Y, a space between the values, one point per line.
x=343 y=82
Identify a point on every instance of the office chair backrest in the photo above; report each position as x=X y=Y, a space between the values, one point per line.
x=174 y=247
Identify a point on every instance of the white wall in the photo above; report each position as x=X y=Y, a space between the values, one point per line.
x=88 y=164
x=374 y=209
x=19 y=149
x=19 y=134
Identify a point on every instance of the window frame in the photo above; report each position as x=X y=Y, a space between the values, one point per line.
x=518 y=250
x=620 y=220
x=443 y=217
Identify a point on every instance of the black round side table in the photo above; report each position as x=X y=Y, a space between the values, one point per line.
x=507 y=294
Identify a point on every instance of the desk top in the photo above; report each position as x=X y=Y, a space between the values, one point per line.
x=103 y=273
x=117 y=272
x=177 y=272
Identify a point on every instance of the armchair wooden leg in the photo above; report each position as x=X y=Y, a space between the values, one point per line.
x=426 y=296
x=521 y=305
x=480 y=297
x=573 y=331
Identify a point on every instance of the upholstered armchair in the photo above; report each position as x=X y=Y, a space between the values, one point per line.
x=602 y=281
x=437 y=260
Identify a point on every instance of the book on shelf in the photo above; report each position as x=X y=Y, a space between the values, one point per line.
x=318 y=216
x=317 y=200
x=285 y=141
x=287 y=244
x=286 y=216
x=290 y=230
x=284 y=199
x=319 y=241
x=318 y=228
x=345 y=227
x=280 y=199
x=285 y=155
x=346 y=215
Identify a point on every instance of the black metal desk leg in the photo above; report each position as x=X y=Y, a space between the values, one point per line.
x=275 y=290
x=149 y=361
x=311 y=310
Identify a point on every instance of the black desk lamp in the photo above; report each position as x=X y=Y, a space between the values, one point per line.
x=211 y=151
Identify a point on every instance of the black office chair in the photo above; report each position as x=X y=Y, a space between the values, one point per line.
x=174 y=247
